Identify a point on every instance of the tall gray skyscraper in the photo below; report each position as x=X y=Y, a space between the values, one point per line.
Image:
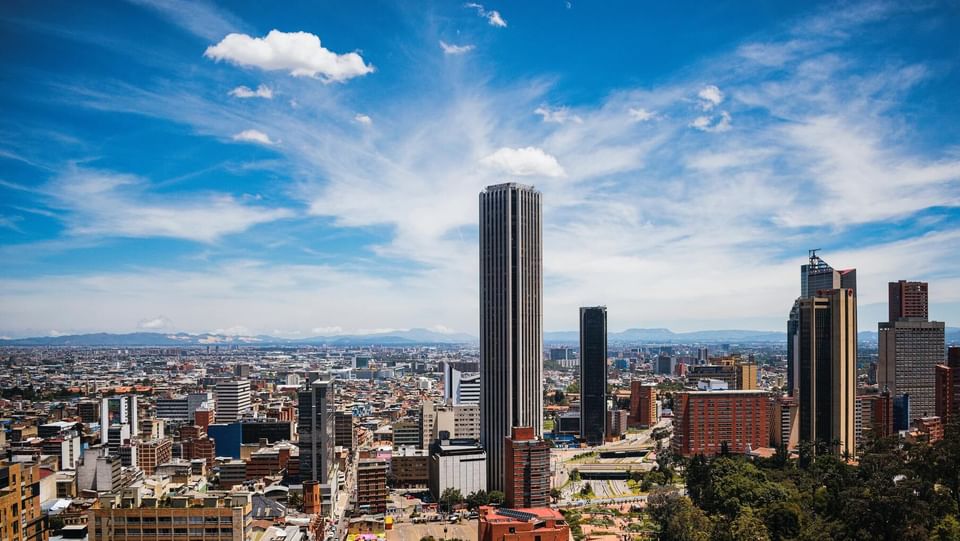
x=910 y=348
x=511 y=319
x=593 y=374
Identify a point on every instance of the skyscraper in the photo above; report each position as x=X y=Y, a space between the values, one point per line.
x=527 y=465
x=910 y=348
x=948 y=386
x=117 y=412
x=316 y=414
x=593 y=374
x=816 y=275
x=511 y=318
x=827 y=368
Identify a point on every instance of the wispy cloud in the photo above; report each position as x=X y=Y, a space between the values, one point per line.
x=262 y=91
x=363 y=119
x=455 y=49
x=299 y=53
x=557 y=115
x=492 y=16
x=197 y=17
x=253 y=136
x=107 y=204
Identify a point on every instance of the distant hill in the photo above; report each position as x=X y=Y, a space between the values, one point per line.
x=662 y=336
x=140 y=339
x=412 y=337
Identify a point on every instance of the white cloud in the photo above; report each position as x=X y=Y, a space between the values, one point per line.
x=300 y=53
x=106 y=204
x=557 y=115
x=714 y=124
x=455 y=49
x=640 y=114
x=528 y=161
x=199 y=18
x=492 y=16
x=363 y=119
x=253 y=136
x=262 y=91
x=326 y=331
x=710 y=96
x=155 y=323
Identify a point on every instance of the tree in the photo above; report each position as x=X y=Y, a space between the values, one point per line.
x=947 y=530
x=748 y=527
x=575 y=475
x=497 y=497
x=678 y=518
x=450 y=498
x=294 y=501
x=559 y=397
x=476 y=499
x=555 y=493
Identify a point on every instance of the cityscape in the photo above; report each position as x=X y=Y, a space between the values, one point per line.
x=545 y=349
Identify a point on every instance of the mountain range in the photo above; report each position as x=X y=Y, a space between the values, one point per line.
x=415 y=337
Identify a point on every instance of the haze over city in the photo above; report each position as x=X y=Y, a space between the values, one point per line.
x=188 y=166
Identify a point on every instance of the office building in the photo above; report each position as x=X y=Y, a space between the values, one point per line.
x=910 y=348
x=948 y=386
x=746 y=376
x=785 y=425
x=225 y=517
x=315 y=427
x=643 y=405
x=511 y=318
x=459 y=464
x=410 y=467
x=232 y=399
x=406 y=432
x=617 y=423
x=153 y=453
x=460 y=387
x=703 y=421
x=118 y=411
x=827 y=375
x=527 y=469
x=372 y=491
x=876 y=414
x=593 y=375
x=20 y=516
x=502 y=524
x=815 y=276
x=344 y=433
x=89 y=411
x=182 y=408
x=908 y=300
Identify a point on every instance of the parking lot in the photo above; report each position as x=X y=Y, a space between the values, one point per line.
x=466 y=530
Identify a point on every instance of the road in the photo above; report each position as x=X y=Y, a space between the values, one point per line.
x=343 y=499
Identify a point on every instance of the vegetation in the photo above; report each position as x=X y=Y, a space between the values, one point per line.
x=476 y=499
x=898 y=491
x=497 y=497
x=450 y=498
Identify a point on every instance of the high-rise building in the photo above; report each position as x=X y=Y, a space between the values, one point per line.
x=153 y=453
x=527 y=469
x=705 y=421
x=20 y=516
x=233 y=400
x=908 y=300
x=593 y=375
x=459 y=464
x=948 y=386
x=344 y=433
x=815 y=276
x=460 y=387
x=315 y=427
x=372 y=491
x=746 y=376
x=827 y=369
x=182 y=408
x=225 y=516
x=511 y=318
x=118 y=412
x=910 y=348
x=784 y=429
x=643 y=405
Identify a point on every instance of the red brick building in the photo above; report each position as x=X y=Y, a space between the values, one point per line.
x=704 y=420
x=948 y=386
x=877 y=414
x=526 y=469
x=540 y=524
x=643 y=405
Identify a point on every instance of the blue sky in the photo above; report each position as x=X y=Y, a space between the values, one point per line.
x=174 y=165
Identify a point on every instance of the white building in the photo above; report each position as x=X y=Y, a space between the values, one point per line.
x=459 y=464
x=233 y=400
x=118 y=411
x=181 y=408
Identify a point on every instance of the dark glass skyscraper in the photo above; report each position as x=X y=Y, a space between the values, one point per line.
x=315 y=427
x=593 y=374
x=826 y=349
x=511 y=319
